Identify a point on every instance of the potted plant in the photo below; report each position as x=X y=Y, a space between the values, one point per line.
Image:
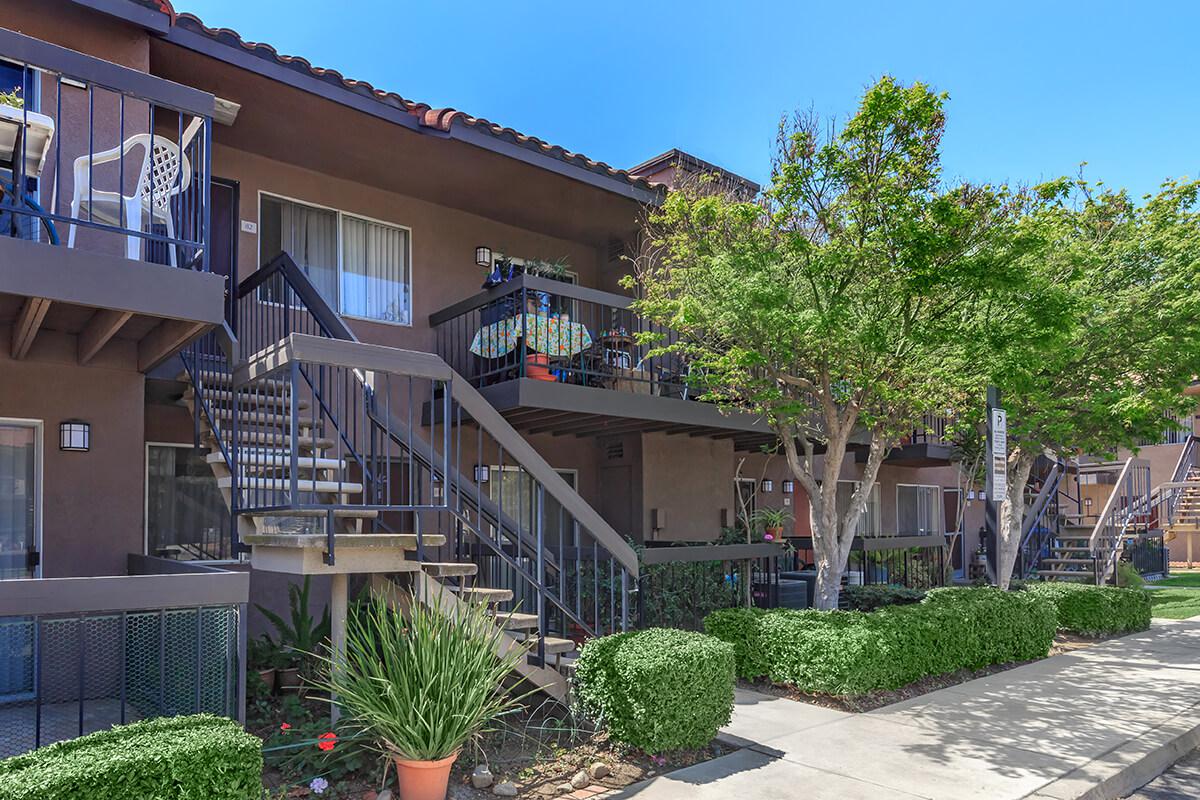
x=297 y=638
x=263 y=656
x=772 y=521
x=12 y=98
x=421 y=687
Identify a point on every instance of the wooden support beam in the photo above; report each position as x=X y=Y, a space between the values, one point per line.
x=161 y=343
x=28 y=323
x=102 y=327
x=619 y=428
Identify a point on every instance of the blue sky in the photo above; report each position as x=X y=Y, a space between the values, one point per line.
x=1035 y=87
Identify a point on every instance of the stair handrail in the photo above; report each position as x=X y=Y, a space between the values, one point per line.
x=1115 y=519
x=1039 y=509
x=334 y=327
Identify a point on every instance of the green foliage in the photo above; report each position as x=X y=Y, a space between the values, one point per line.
x=1128 y=576
x=12 y=98
x=657 y=689
x=870 y=598
x=303 y=636
x=771 y=517
x=1096 y=610
x=424 y=686
x=739 y=627
x=200 y=757
x=853 y=652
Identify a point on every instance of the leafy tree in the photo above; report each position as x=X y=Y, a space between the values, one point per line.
x=835 y=307
x=1105 y=335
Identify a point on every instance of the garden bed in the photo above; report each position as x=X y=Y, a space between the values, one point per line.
x=1063 y=643
x=539 y=749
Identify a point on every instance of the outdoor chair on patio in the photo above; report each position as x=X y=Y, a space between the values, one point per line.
x=158 y=183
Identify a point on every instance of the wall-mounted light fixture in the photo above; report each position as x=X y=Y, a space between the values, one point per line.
x=483 y=256
x=482 y=473
x=767 y=485
x=74 y=435
x=788 y=487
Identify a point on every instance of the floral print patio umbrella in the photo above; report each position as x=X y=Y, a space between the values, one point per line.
x=552 y=336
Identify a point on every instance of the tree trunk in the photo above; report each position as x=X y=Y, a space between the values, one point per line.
x=1012 y=513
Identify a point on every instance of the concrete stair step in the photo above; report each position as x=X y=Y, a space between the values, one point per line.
x=1067 y=573
x=554 y=645
x=513 y=621
x=275 y=438
x=401 y=541
x=224 y=379
x=220 y=398
x=1067 y=561
x=338 y=513
x=261 y=484
x=483 y=594
x=450 y=570
x=277 y=460
x=257 y=418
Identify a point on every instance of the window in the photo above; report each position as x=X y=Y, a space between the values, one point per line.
x=868 y=521
x=513 y=489
x=186 y=516
x=360 y=266
x=918 y=510
x=20 y=497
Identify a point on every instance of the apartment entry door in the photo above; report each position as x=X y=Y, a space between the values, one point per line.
x=225 y=221
x=20 y=496
x=20 y=541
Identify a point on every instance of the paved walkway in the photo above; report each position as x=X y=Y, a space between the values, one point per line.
x=1113 y=715
x=1180 y=782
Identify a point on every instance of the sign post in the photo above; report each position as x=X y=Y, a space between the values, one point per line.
x=996 y=480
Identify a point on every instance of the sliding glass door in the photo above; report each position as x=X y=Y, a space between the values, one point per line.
x=20 y=487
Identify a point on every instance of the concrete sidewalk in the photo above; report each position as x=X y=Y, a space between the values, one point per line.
x=1096 y=723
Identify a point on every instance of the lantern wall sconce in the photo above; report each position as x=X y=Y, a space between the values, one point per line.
x=483 y=256
x=482 y=473
x=74 y=436
x=767 y=485
x=788 y=487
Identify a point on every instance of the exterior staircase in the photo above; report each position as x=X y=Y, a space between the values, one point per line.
x=1185 y=517
x=339 y=458
x=1071 y=556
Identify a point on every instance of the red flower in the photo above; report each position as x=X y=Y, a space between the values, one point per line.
x=326 y=741
x=285 y=727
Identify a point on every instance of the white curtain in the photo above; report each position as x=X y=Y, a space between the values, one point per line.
x=375 y=271
x=309 y=235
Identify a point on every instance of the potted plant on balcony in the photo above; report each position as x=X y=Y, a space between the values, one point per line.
x=12 y=98
x=772 y=521
x=422 y=686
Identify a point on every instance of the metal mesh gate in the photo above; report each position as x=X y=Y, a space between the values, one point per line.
x=66 y=676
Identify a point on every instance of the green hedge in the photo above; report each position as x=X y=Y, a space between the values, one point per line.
x=869 y=598
x=853 y=652
x=1096 y=610
x=200 y=757
x=657 y=689
x=739 y=627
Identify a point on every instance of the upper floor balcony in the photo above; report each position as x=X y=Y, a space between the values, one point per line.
x=559 y=358
x=104 y=205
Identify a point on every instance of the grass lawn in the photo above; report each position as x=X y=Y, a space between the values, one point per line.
x=1186 y=579
x=1174 y=603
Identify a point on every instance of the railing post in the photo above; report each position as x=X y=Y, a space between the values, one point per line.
x=541 y=574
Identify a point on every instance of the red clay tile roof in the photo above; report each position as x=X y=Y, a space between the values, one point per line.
x=438 y=118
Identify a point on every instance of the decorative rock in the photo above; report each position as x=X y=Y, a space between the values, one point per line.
x=505 y=789
x=581 y=780
x=386 y=794
x=481 y=778
x=565 y=788
x=599 y=770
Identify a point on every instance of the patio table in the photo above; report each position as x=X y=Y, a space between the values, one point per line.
x=549 y=335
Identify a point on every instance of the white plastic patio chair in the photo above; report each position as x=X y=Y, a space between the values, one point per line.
x=158 y=181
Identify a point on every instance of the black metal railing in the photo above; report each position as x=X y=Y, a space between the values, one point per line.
x=915 y=562
x=1042 y=522
x=101 y=157
x=542 y=328
x=327 y=424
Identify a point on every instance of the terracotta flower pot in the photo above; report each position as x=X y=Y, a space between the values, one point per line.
x=537 y=366
x=775 y=533
x=424 y=780
x=288 y=679
x=268 y=677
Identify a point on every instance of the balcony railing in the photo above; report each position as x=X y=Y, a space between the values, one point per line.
x=541 y=328
x=101 y=157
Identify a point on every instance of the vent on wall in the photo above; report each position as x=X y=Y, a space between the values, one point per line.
x=615 y=450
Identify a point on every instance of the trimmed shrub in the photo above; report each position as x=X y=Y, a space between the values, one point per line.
x=199 y=757
x=657 y=689
x=869 y=598
x=854 y=652
x=1096 y=610
x=739 y=627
